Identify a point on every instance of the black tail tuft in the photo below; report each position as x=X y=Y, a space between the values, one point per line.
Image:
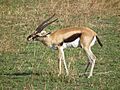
x=99 y=41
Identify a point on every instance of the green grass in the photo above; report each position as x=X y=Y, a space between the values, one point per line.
x=32 y=66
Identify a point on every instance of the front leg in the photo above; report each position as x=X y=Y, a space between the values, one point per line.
x=59 y=64
x=62 y=57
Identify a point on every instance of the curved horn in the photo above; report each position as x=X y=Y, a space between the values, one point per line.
x=41 y=27
x=47 y=24
x=42 y=24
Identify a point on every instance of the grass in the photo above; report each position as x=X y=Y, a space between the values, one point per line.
x=32 y=66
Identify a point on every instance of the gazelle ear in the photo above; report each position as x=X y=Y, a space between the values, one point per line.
x=43 y=33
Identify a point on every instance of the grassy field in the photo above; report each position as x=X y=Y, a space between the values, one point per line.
x=32 y=66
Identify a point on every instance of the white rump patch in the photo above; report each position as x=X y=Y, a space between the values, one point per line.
x=93 y=41
x=73 y=44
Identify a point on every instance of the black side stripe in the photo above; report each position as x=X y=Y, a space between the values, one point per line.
x=71 y=38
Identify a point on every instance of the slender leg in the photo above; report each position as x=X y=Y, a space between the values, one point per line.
x=61 y=52
x=59 y=63
x=92 y=59
x=92 y=67
x=88 y=64
x=67 y=73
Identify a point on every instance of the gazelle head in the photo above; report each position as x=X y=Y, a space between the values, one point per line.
x=39 y=33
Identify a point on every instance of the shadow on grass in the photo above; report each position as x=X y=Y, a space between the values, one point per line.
x=20 y=74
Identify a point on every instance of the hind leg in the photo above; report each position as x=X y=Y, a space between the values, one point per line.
x=87 y=43
x=91 y=58
x=87 y=66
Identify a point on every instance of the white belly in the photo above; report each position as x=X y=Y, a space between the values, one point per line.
x=73 y=44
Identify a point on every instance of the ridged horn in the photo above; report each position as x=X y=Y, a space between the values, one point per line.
x=45 y=24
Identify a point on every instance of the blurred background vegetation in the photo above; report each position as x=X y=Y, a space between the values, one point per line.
x=21 y=16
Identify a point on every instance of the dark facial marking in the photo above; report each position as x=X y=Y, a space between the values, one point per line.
x=29 y=37
x=35 y=37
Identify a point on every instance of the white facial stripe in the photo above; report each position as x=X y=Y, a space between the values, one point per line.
x=73 y=44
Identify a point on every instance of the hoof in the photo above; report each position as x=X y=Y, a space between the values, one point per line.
x=67 y=74
x=59 y=75
x=89 y=76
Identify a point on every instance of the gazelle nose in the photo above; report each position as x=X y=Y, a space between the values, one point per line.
x=29 y=38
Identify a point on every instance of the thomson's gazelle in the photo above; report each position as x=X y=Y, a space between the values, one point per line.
x=69 y=37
